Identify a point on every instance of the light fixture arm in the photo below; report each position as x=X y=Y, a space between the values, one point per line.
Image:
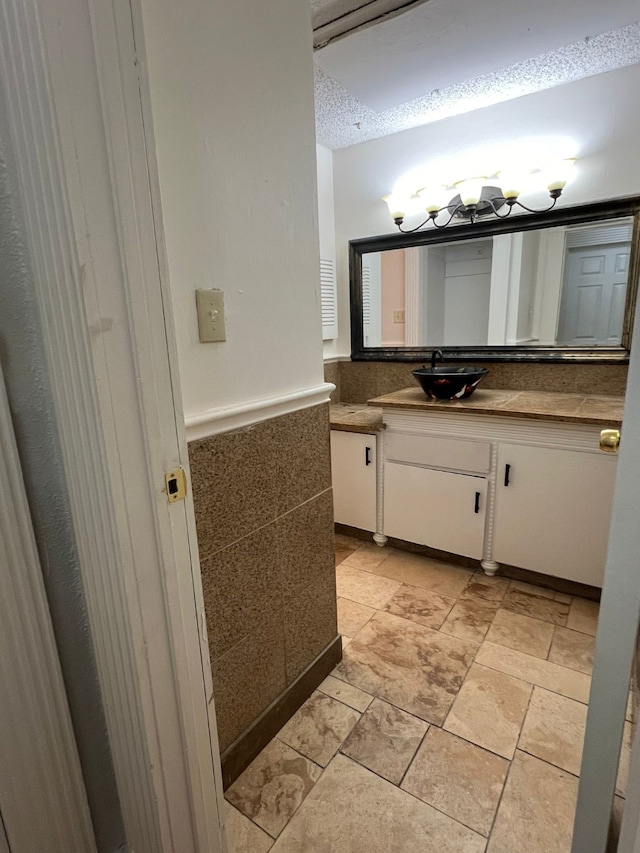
x=469 y=210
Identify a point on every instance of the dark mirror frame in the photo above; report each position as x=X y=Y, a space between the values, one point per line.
x=594 y=212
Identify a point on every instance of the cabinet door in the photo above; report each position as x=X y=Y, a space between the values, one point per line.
x=353 y=472
x=436 y=508
x=553 y=511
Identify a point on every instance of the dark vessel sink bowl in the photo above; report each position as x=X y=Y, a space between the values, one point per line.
x=449 y=381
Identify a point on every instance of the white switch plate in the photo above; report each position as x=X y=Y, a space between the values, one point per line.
x=210 y=305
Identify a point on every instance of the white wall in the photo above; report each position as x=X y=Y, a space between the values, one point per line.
x=326 y=220
x=597 y=116
x=326 y=232
x=327 y=235
x=232 y=102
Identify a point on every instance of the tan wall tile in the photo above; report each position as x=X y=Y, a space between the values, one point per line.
x=360 y=381
x=246 y=478
x=234 y=493
x=299 y=447
x=248 y=678
x=332 y=374
x=264 y=515
x=241 y=586
x=307 y=581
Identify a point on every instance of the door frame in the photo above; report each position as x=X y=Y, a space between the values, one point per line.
x=78 y=105
x=616 y=641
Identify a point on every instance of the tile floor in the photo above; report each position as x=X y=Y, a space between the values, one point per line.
x=453 y=724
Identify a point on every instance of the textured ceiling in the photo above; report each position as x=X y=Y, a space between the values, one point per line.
x=434 y=62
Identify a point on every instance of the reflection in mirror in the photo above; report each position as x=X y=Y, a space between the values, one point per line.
x=563 y=286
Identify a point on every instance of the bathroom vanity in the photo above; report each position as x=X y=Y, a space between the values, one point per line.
x=506 y=477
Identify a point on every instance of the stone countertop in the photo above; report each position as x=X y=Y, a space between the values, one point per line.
x=356 y=417
x=540 y=405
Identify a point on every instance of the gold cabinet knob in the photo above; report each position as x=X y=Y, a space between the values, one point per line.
x=610 y=440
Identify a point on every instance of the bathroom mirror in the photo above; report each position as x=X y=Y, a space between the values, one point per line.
x=559 y=286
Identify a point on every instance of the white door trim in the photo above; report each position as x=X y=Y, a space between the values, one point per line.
x=77 y=101
x=46 y=808
x=617 y=635
x=412 y=297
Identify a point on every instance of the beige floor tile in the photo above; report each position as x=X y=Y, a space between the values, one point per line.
x=559 y=679
x=345 y=641
x=364 y=587
x=625 y=758
x=319 y=727
x=420 y=605
x=573 y=649
x=273 y=786
x=489 y=710
x=523 y=633
x=426 y=573
x=351 y=810
x=561 y=596
x=532 y=589
x=536 y=606
x=537 y=809
x=344 y=541
x=346 y=693
x=352 y=616
x=367 y=557
x=617 y=813
x=385 y=740
x=458 y=778
x=243 y=836
x=342 y=554
x=553 y=730
x=470 y=619
x=485 y=587
x=583 y=616
x=415 y=668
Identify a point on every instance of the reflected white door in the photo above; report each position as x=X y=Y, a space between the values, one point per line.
x=594 y=294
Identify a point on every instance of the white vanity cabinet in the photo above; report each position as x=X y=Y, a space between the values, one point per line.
x=553 y=510
x=523 y=492
x=435 y=492
x=440 y=509
x=353 y=472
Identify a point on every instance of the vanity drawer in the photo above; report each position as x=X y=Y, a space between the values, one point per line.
x=452 y=453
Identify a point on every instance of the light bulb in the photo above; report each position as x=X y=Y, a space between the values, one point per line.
x=470 y=190
x=510 y=182
x=433 y=198
x=557 y=175
x=397 y=205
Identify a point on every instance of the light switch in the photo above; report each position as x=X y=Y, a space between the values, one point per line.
x=398 y=316
x=210 y=304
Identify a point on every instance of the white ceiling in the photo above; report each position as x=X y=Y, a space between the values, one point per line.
x=334 y=18
x=444 y=57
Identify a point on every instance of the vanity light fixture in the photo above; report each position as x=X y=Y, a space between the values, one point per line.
x=478 y=197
